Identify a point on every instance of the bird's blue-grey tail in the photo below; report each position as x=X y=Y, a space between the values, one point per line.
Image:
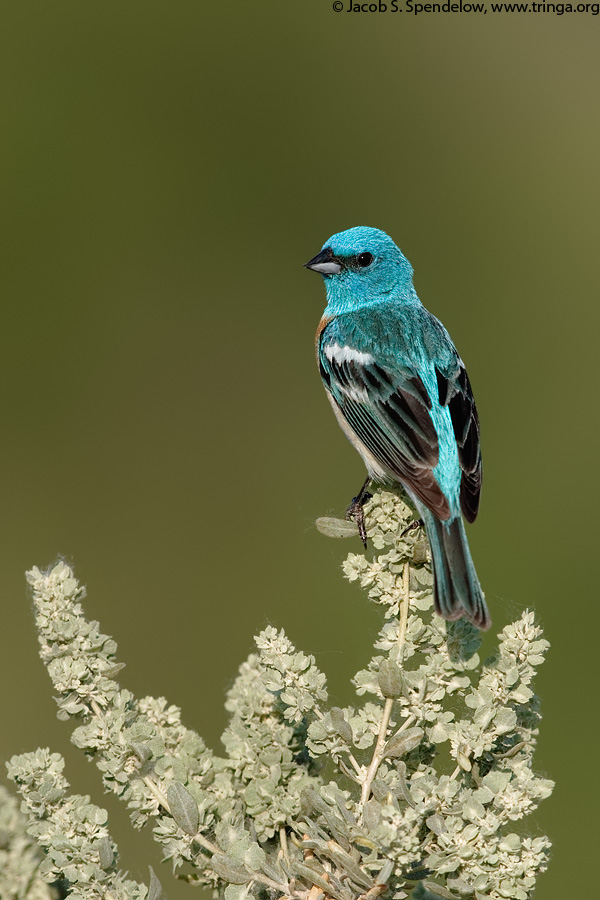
x=457 y=589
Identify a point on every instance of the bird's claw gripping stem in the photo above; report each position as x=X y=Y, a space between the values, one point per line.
x=356 y=512
x=418 y=523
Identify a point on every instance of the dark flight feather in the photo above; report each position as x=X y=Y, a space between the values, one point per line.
x=454 y=391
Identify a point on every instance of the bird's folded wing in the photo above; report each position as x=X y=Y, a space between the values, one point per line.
x=388 y=410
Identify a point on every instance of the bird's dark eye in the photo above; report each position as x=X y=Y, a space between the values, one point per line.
x=364 y=259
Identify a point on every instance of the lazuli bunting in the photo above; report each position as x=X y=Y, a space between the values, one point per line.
x=401 y=394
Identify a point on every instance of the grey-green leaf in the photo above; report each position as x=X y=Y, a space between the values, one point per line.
x=340 y=724
x=236 y=891
x=313 y=876
x=155 y=891
x=389 y=678
x=401 y=744
x=439 y=890
x=184 y=808
x=436 y=824
x=385 y=872
x=106 y=854
x=336 y=528
x=226 y=869
x=142 y=751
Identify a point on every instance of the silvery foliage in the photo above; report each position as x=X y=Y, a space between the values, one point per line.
x=414 y=792
x=20 y=855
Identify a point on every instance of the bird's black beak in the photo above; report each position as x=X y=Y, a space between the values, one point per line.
x=325 y=262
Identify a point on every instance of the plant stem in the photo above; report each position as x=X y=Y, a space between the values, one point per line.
x=284 y=843
x=403 y=611
x=377 y=753
x=389 y=703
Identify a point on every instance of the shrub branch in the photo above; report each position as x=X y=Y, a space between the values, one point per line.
x=394 y=816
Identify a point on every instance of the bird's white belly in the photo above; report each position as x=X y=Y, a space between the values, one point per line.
x=374 y=468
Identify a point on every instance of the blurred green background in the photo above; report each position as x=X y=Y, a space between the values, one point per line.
x=166 y=168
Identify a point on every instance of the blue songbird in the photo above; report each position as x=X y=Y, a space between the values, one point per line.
x=401 y=394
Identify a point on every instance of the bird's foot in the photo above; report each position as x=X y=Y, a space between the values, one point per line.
x=418 y=523
x=356 y=513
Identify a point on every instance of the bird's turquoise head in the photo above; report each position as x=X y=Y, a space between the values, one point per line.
x=362 y=266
